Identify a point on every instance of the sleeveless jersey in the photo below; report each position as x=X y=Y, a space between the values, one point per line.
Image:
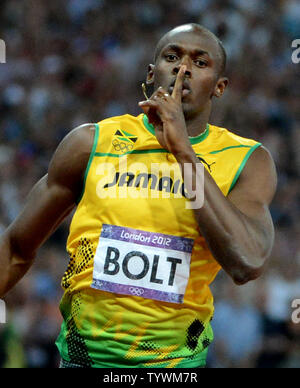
x=137 y=284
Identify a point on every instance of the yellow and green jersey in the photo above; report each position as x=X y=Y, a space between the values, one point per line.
x=137 y=285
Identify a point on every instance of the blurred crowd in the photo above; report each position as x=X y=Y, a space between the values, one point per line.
x=77 y=61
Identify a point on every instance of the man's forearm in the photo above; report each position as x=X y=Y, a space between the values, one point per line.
x=12 y=265
x=237 y=242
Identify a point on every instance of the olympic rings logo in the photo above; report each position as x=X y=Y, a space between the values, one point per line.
x=136 y=291
x=120 y=146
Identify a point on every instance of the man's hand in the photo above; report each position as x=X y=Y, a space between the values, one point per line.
x=165 y=112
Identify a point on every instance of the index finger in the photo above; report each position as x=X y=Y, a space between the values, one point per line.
x=176 y=94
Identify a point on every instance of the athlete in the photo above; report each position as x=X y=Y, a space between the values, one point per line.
x=136 y=290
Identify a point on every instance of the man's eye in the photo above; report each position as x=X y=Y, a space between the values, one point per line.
x=171 y=57
x=200 y=63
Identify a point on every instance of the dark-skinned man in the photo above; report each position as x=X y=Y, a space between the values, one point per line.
x=141 y=260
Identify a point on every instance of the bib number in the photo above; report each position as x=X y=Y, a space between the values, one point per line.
x=135 y=262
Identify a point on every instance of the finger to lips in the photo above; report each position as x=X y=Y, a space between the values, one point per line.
x=176 y=94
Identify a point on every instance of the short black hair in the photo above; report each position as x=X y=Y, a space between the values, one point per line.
x=196 y=28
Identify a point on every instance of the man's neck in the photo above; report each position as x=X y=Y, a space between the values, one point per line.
x=196 y=124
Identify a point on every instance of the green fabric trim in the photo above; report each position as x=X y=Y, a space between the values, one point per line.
x=238 y=173
x=149 y=126
x=193 y=140
x=201 y=137
x=96 y=136
x=230 y=147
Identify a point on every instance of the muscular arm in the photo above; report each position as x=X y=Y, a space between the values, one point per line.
x=49 y=202
x=239 y=228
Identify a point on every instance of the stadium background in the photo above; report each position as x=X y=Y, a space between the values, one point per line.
x=80 y=61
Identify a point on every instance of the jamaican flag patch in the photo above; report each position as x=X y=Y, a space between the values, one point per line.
x=123 y=141
x=125 y=136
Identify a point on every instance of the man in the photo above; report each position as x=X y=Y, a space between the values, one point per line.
x=136 y=288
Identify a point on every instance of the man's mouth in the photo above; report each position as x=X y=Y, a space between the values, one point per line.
x=185 y=88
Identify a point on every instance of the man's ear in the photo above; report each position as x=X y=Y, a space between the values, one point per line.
x=150 y=74
x=220 y=86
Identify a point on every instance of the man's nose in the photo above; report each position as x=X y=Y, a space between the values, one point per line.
x=187 y=62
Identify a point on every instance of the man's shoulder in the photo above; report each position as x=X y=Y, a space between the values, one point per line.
x=79 y=139
x=258 y=154
x=229 y=136
x=68 y=164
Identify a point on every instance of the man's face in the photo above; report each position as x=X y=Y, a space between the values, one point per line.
x=200 y=53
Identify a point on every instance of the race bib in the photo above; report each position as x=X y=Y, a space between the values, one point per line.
x=136 y=262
